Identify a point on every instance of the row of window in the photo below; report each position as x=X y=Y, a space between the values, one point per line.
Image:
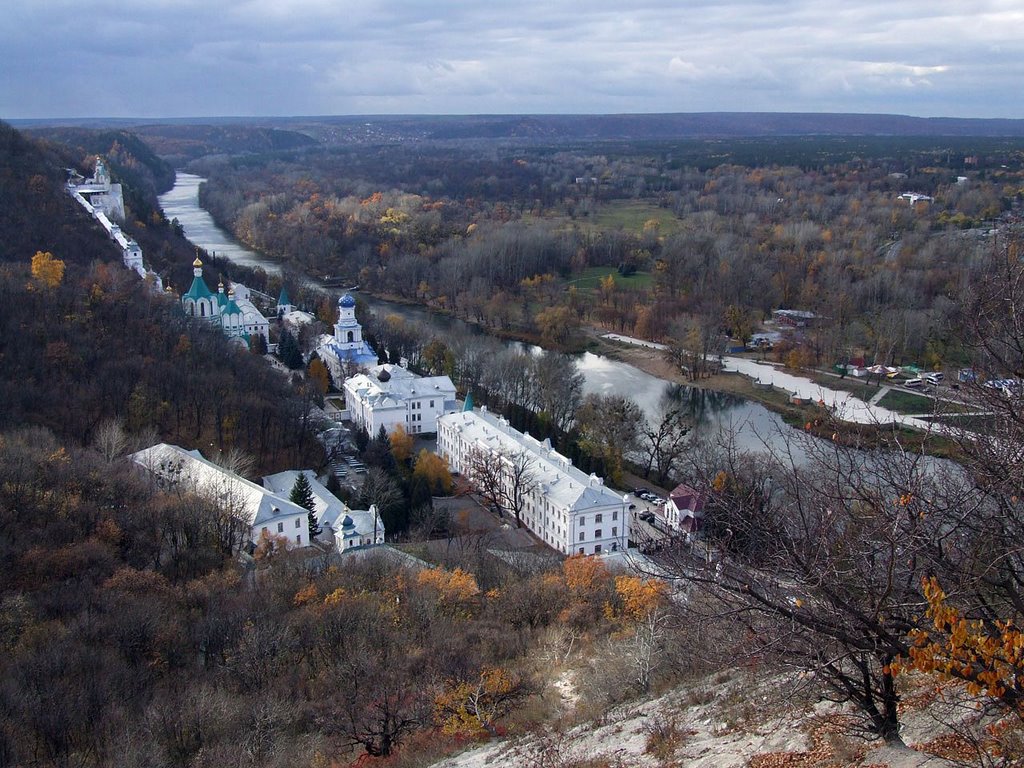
x=597 y=533
x=597 y=549
x=599 y=518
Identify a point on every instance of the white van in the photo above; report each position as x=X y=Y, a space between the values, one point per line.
x=912 y=383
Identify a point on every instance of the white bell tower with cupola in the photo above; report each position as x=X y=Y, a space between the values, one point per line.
x=348 y=333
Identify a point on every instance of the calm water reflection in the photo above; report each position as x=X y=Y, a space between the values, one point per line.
x=182 y=203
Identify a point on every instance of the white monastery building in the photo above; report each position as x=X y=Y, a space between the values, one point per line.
x=572 y=512
x=390 y=395
x=233 y=311
x=267 y=513
x=104 y=196
x=345 y=528
x=105 y=204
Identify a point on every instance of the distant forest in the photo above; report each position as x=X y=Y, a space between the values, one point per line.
x=666 y=240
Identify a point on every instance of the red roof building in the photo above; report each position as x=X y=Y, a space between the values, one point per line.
x=685 y=510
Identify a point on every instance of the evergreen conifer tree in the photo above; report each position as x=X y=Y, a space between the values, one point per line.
x=302 y=494
x=288 y=350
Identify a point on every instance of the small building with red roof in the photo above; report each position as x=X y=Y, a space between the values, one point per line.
x=685 y=508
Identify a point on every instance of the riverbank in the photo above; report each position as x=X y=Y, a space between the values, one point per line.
x=811 y=418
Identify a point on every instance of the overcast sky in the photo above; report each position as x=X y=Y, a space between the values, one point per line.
x=183 y=58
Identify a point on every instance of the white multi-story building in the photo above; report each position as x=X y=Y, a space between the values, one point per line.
x=390 y=395
x=572 y=512
x=267 y=513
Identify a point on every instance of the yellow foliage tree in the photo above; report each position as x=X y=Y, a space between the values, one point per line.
x=433 y=469
x=327 y=311
x=319 y=375
x=585 y=576
x=643 y=328
x=456 y=590
x=555 y=324
x=988 y=657
x=606 y=288
x=639 y=597
x=47 y=270
x=307 y=595
x=270 y=546
x=401 y=444
x=471 y=708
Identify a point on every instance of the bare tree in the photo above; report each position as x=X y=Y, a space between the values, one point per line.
x=818 y=554
x=559 y=387
x=111 y=440
x=484 y=474
x=505 y=479
x=663 y=442
x=610 y=427
x=520 y=482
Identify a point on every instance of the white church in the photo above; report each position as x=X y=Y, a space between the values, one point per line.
x=102 y=193
x=233 y=311
x=347 y=343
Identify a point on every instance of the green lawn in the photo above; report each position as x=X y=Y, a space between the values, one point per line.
x=907 y=402
x=587 y=281
x=631 y=217
x=854 y=386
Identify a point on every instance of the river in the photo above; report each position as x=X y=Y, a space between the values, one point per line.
x=182 y=203
x=713 y=412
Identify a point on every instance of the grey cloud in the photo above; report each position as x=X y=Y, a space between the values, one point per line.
x=194 y=58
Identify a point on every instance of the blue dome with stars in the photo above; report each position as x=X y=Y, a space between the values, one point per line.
x=346 y=301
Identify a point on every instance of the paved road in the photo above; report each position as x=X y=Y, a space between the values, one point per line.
x=844 y=404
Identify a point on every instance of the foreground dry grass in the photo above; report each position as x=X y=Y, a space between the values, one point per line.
x=737 y=720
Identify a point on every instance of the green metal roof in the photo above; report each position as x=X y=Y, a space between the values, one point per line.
x=282 y=299
x=198 y=290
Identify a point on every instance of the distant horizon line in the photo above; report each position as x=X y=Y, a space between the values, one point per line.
x=426 y=115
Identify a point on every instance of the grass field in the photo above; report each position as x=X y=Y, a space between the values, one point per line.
x=631 y=217
x=855 y=387
x=587 y=282
x=907 y=402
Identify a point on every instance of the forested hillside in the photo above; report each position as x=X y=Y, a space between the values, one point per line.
x=132 y=636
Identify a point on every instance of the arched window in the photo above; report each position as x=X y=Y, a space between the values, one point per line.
x=350 y=336
x=202 y=309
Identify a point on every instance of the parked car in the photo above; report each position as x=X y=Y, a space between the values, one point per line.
x=934 y=378
x=915 y=382
x=647 y=517
x=641 y=491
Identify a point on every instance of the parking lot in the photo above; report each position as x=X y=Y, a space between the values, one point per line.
x=647 y=523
